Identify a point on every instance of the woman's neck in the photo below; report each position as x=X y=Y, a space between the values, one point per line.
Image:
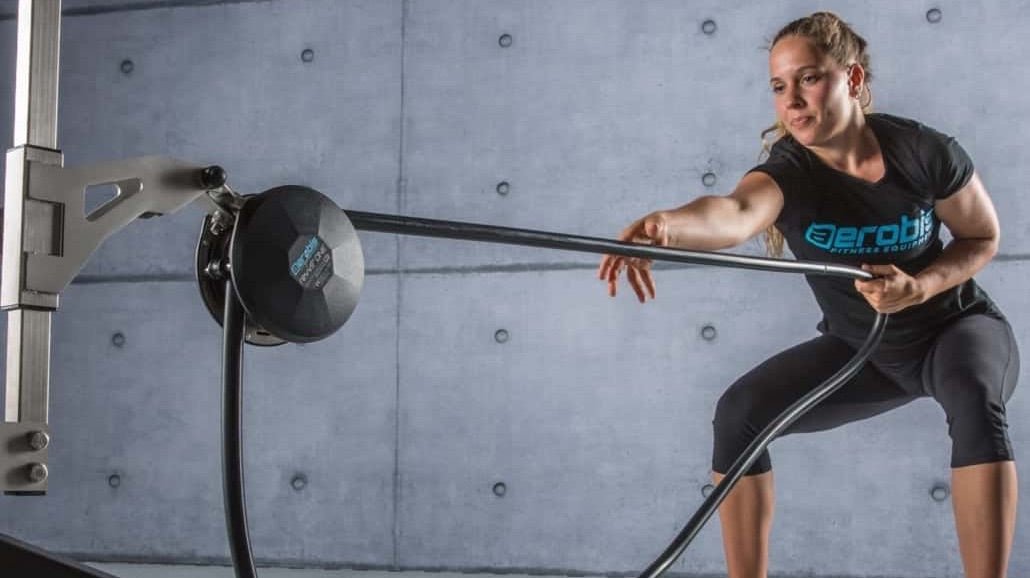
x=854 y=151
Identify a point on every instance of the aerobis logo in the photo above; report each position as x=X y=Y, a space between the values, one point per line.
x=906 y=234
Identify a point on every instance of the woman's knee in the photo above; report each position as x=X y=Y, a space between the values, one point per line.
x=977 y=422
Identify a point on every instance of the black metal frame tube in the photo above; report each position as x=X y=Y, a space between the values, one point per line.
x=234 y=498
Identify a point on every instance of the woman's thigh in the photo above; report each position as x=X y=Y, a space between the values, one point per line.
x=775 y=384
x=975 y=357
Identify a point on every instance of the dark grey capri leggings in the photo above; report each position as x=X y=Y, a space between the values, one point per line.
x=970 y=368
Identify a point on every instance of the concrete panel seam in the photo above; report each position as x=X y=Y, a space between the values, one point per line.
x=401 y=192
x=139 y=6
x=470 y=270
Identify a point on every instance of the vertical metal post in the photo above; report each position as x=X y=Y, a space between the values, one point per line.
x=35 y=125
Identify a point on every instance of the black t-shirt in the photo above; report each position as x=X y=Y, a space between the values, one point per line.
x=831 y=216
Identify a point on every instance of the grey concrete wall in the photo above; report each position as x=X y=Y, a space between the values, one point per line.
x=595 y=413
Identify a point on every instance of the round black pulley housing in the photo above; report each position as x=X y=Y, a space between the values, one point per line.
x=213 y=272
x=296 y=263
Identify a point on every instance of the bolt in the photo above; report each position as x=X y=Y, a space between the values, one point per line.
x=503 y=188
x=220 y=222
x=707 y=489
x=308 y=55
x=38 y=440
x=934 y=15
x=939 y=493
x=708 y=179
x=501 y=336
x=500 y=489
x=37 y=473
x=299 y=482
x=118 y=340
x=505 y=40
x=114 y=480
x=708 y=27
x=127 y=67
x=215 y=270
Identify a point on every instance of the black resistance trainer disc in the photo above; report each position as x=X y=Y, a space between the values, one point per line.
x=296 y=263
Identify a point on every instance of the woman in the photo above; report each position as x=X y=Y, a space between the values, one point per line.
x=846 y=185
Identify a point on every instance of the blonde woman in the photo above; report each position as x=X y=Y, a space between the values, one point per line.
x=843 y=184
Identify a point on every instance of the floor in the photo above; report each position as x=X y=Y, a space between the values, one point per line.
x=165 y=571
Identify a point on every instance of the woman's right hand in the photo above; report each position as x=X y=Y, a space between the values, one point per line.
x=649 y=230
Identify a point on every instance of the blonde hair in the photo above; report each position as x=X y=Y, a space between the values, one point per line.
x=836 y=39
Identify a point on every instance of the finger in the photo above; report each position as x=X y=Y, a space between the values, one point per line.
x=865 y=287
x=606 y=265
x=648 y=279
x=613 y=268
x=881 y=270
x=633 y=275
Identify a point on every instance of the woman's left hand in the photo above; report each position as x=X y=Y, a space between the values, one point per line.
x=892 y=290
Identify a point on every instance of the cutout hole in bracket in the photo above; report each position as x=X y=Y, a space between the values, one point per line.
x=97 y=197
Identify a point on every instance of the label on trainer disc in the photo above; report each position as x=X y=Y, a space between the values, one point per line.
x=311 y=262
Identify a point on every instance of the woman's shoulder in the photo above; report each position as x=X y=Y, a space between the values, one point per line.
x=894 y=126
x=788 y=151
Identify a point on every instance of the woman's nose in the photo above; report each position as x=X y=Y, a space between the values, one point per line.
x=794 y=99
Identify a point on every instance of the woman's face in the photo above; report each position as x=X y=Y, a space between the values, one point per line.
x=810 y=91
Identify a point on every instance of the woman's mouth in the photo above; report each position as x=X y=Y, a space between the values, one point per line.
x=800 y=122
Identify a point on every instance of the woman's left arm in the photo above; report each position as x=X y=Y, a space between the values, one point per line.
x=969 y=215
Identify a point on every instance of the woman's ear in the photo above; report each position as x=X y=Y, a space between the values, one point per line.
x=856 y=77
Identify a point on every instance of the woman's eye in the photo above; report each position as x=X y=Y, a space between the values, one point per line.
x=777 y=89
x=809 y=78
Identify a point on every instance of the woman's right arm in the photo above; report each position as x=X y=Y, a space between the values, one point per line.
x=708 y=223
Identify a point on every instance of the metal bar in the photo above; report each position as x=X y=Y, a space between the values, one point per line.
x=28 y=366
x=510 y=236
x=35 y=97
x=35 y=124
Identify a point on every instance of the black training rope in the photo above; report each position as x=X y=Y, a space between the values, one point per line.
x=471 y=231
x=489 y=234
x=746 y=459
x=234 y=332
x=234 y=325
